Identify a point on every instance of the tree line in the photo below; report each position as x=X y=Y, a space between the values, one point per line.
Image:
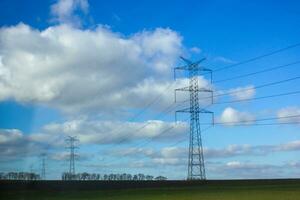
x=19 y=176
x=111 y=177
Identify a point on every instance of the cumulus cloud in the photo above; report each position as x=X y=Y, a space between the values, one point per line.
x=67 y=11
x=64 y=156
x=133 y=151
x=291 y=146
x=224 y=60
x=105 y=132
x=78 y=70
x=242 y=93
x=231 y=116
x=13 y=144
x=195 y=50
x=289 y=114
x=177 y=156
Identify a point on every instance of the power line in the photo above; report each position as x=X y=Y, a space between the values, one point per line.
x=260 y=86
x=265 y=85
x=184 y=139
x=151 y=139
x=265 y=124
x=234 y=101
x=242 y=124
x=148 y=141
x=162 y=132
x=258 y=98
x=151 y=102
x=144 y=126
x=257 y=72
x=257 y=57
x=164 y=112
x=180 y=141
x=258 y=120
x=243 y=62
x=255 y=87
x=233 y=65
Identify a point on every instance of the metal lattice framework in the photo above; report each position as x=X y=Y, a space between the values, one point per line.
x=43 y=163
x=196 y=168
x=71 y=145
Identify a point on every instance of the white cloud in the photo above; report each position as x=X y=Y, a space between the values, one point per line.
x=13 y=144
x=78 y=70
x=63 y=156
x=289 y=114
x=290 y=146
x=250 y=167
x=133 y=151
x=64 y=11
x=195 y=50
x=231 y=116
x=168 y=161
x=9 y=135
x=242 y=93
x=105 y=132
x=234 y=164
x=224 y=60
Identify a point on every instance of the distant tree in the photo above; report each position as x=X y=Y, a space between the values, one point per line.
x=135 y=177
x=160 y=178
x=105 y=177
x=149 y=178
x=141 y=177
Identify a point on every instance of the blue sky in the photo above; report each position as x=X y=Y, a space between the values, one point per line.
x=84 y=68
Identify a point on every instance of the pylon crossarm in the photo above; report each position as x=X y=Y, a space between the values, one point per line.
x=179 y=89
x=209 y=71
x=193 y=90
x=188 y=89
x=190 y=66
x=186 y=110
x=205 y=111
x=186 y=60
x=75 y=147
x=206 y=69
x=190 y=62
x=194 y=67
x=209 y=112
x=185 y=67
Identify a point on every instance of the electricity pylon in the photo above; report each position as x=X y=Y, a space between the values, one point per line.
x=43 y=163
x=71 y=145
x=196 y=167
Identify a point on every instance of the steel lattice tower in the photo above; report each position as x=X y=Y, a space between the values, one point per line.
x=71 y=145
x=196 y=168
x=43 y=162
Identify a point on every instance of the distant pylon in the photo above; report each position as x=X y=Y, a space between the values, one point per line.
x=43 y=163
x=71 y=145
x=196 y=167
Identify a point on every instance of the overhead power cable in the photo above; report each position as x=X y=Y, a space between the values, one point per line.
x=247 y=89
x=257 y=57
x=262 y=119
x=264 y=124
x=257 y=72
x=258 y=98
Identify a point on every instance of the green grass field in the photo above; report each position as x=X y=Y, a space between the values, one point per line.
x=205 y=192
